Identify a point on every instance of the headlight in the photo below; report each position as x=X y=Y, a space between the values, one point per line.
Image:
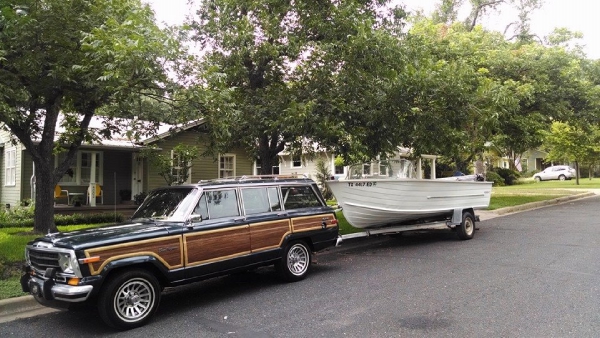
x=68 y=263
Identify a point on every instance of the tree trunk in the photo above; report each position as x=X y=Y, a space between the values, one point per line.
x=44 y=198
x=268 y=149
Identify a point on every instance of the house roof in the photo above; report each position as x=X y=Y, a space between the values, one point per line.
x=123 y=139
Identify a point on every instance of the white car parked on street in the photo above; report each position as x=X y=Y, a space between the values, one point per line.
x=557 y=172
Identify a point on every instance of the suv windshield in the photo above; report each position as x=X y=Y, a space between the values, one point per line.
x=167 y=204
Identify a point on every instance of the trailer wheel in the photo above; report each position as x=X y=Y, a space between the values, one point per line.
x=466 y=229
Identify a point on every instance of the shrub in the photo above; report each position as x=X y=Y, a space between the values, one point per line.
x=323 y=174
x=510 y=176
x=494 y=177
x=139 y=198
x=75 y=219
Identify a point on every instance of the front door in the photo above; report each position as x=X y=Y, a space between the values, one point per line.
x=137 y=174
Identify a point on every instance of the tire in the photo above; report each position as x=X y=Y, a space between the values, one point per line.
x=562 y=177
x=466 y=229
x=295 y=262
x=129 y=299
x=537 y=179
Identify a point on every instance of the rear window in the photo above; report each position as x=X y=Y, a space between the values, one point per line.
x=297 y=197
x=260 y=200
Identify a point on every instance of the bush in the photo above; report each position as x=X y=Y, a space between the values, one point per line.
x=75 y=219
x=510 y=176
x=139 y=198
x=494 y=177
x=323 y=174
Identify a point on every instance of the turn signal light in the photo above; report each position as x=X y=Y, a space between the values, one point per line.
x=73 y=281
x=89 y=260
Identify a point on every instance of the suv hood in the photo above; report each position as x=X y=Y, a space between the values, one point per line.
x=112 y=234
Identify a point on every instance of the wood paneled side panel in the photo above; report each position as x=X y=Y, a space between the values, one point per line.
x=168 y=250
x=209 y=246
x=311 y=222
x=268 y=235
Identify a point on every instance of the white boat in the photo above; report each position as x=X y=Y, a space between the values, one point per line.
x=386 y=193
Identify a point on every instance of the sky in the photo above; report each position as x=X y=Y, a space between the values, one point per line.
x=576 y=15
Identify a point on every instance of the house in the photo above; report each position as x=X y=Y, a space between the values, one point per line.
x=115 y=164
x=307 y=165
x=529 y=161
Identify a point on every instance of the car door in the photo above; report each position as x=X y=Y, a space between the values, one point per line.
x=267 y=222
x=302 y=203
x=218 y=237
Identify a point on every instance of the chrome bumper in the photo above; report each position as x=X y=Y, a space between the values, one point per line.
x=47 y=290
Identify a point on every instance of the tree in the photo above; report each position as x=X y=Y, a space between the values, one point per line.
x=455 y=109
x=73 y=58
x=573 y=143
x=279 y=73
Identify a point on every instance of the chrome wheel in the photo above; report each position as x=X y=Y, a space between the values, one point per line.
x=134 y=300
x=298 y=259
x=295 y=261
x=129 y=299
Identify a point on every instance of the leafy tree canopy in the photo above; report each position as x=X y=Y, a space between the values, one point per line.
x=75 y=58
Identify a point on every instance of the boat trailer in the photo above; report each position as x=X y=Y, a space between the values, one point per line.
x=463 y=221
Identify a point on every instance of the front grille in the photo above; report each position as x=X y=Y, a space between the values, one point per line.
x=41 y=260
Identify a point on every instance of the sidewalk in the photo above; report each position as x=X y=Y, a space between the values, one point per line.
x=26 y=306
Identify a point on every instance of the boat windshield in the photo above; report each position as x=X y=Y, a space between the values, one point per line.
x=401 y=168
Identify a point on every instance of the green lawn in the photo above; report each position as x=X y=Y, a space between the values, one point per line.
x=12 y=256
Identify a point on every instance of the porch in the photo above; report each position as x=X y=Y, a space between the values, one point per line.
x=126 y=210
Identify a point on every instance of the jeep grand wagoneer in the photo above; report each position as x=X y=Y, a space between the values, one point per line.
x=179 y=235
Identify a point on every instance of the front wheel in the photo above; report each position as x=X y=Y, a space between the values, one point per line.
x=562 y=177
x=295 y=262
x=129 y=299
x=537 y=179
x=466 y=229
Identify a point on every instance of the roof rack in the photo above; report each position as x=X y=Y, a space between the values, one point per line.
x=254 y=177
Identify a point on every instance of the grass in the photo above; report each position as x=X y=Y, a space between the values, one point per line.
x=12 y=256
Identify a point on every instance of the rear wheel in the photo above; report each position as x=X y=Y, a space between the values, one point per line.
x=129 y=299
x=562 y=177
x=295 y=263
x=466 y=229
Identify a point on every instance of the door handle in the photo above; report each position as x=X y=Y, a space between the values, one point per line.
x=239 y=219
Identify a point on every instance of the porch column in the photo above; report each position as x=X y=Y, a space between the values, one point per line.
x=419 y=168
x=433 y=168
x=92 y=188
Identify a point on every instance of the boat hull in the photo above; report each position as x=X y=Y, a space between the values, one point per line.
x=372 y=203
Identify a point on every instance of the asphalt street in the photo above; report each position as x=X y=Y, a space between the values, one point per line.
x=530 y=274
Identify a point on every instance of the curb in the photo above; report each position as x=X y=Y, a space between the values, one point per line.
x=27 y=306
x=535 y=205
x=21 y=307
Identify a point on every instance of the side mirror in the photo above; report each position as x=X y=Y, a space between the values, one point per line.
x=195 y=218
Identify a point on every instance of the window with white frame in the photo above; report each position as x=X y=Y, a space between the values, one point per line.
x=80 y=173
x=226 y=165
x=296 y=162
x=10 y=166
x=178 y=167
x=274 y=169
